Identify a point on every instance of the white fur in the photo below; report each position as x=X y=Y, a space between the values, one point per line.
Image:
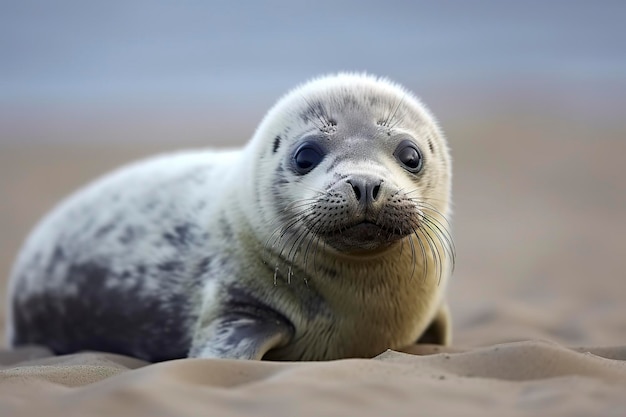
x=372 y=304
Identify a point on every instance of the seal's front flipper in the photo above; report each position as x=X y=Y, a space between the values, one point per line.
x=240 y=336
x=439 y=331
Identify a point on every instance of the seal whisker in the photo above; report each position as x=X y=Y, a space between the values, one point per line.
x=421 y=202
x=413 y=257
x=313 y=234
x=422 y=249
x=445 y=242
x=293 y=220
x=321 y=125
x=315 y=252
x=400 y=101
x=293 y=224
x=439 y=218
x=437 y=221
x=305 y=257
x=432 y=250
x=296 y=204
x=276 y=276
x=425 y=228
x=392 y=112
x=422 y=198
x=444 y=237
x=319 y=114
x=279 y=233
x=302 y=235
x=319 y=192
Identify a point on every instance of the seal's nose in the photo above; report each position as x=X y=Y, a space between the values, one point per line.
x=366 y=189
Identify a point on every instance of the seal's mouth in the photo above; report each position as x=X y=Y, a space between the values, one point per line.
x=365 y=230
x=360 y=237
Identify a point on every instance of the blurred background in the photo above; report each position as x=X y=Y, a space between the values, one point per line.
x=530 y=94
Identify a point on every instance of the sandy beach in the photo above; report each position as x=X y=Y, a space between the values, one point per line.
x=537 y=296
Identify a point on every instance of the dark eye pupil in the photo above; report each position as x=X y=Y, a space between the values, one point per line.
x=408 y=154
x=409 y=157
x=307 y=158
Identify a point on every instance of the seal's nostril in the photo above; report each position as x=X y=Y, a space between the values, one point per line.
x=375 y=191
x=357 y=191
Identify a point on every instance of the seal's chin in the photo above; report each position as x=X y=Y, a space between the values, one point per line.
x=361 y=238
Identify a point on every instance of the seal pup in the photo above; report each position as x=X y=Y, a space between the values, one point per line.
x=325 y=237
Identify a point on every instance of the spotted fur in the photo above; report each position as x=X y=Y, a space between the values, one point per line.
x=235 y=254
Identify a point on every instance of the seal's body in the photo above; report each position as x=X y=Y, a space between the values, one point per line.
x=325 y=237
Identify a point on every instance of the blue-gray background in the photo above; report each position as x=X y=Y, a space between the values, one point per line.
x=181 y=64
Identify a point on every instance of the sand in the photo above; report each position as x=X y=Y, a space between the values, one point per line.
x=537 y=298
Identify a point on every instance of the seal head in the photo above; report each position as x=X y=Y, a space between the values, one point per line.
x=357 y=164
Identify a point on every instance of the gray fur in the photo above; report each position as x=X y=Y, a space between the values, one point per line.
x=209 y=254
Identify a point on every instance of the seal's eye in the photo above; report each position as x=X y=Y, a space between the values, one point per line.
x=409 y=156
x=307 y=157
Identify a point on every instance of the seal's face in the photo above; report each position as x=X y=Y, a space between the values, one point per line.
x=361 y=168
x=361 y=186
